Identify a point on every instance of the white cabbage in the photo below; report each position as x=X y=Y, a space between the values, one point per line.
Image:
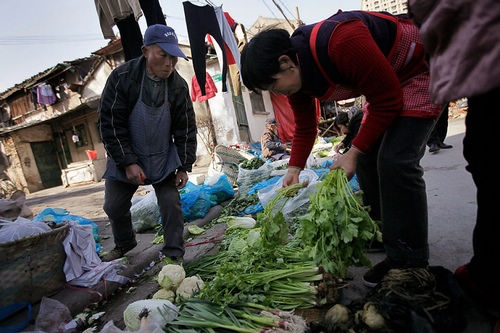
x=171 y=276
x=189 y=286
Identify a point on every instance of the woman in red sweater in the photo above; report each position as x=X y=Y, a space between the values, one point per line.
x=350 y=54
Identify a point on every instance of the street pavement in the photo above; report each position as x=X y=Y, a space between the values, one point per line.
x=452 y=208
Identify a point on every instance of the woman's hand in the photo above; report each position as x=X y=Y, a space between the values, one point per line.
x=291 y=177
x=338 y=147
x=348 y=162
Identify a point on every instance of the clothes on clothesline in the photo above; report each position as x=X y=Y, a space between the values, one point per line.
x=210 y=89
x=125 y=14
x=111 y=11
x=45 y=94
x=201 y=21
x=228 y=35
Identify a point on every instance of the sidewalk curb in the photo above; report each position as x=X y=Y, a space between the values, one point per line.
x=79 y=298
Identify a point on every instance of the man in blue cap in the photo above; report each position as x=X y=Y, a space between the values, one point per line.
x=148 y=128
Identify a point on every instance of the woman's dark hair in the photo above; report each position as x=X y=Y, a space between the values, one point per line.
x=259 y=58
x=341 y=119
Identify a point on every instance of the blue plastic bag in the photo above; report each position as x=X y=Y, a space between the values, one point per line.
x=58 y=215
x=263 y=184
x=220 y=191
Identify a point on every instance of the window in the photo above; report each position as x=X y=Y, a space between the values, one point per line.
x=257 y=103
x=79 y=135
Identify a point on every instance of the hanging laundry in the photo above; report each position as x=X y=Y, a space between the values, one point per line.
x=200 y=21
x=110 y=11
x=45 y=94
x=124 y=14
x=210 y=89
x=152 y=12
x=228 y=34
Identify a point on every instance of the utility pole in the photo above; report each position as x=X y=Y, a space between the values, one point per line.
x=282 y=13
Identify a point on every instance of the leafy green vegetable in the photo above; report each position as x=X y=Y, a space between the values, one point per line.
x=195 y=230
x=252 y=164
x=337 y=228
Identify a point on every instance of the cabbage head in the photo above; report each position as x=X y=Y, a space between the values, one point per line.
x=171 y=276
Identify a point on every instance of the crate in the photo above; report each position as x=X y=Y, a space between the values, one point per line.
x=32 y=267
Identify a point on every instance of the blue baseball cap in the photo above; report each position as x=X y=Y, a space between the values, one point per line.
x=164 y=37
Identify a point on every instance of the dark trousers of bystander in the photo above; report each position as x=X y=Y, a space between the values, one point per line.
x=117 y=203
x=391 y=179
x=440 y=129
x=483 y=117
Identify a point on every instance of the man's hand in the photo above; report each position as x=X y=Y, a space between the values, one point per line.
x=291 y=177
x=181 y=178
x=348 y=162
x=135 y=174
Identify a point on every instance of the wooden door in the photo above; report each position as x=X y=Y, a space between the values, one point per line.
x=47 y=163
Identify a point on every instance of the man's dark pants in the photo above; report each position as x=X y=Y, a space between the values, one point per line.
x=117 y=203
x=392 y=181
x=481 y=123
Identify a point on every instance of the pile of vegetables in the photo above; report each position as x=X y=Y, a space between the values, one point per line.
x=338 y=229
x=252 y=164
x=259 y=265
x=202 y=316
x=175 y=286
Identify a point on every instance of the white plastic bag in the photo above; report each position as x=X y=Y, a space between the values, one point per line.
x=20 y=228
x=145 y=213
x=53 y=316
x=160 y=312
x=147 y=328
x=296 y=205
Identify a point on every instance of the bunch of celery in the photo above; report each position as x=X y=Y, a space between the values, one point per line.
x=337 y=228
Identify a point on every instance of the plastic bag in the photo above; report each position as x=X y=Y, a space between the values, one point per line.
x=263 y=184
x=148 y=328
x=59 y=215
x=53 y=316
x=145 y=213
x=20 y=228
x=195 y=202
x=247 y=178
x=296 y=205
x=219 y=189
x=160 y=312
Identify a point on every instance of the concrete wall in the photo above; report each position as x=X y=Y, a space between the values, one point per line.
x=257 y=121
x=23 y=171
x=95 y=85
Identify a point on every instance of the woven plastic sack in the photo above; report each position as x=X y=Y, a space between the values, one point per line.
x=247 y=178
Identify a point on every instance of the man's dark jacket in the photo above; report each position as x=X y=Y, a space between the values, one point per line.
x=119 y=98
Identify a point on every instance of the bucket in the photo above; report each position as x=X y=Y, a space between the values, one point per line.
x=91 y=154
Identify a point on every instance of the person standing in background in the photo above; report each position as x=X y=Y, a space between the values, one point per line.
x=148 y=128
x=438 y=134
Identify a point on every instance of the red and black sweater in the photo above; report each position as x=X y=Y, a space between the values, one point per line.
x=353 y=49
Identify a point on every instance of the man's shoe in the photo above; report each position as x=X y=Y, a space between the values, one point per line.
x=117 y=252
x=375 y=274
x=433 y=148
x=443 y=145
